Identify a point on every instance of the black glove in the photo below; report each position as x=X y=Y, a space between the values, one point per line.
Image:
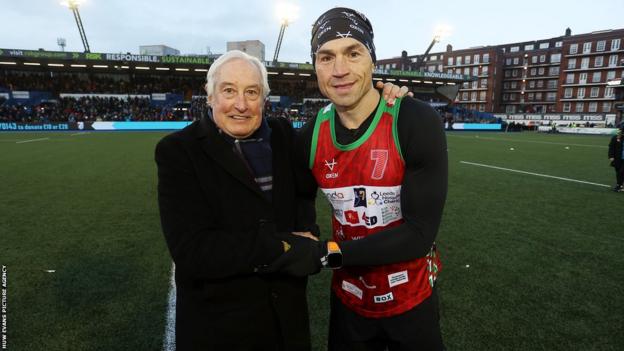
x=302 y=258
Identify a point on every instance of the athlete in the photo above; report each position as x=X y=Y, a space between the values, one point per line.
x=384 y=171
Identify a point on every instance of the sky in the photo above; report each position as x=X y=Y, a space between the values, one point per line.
x=191 y=26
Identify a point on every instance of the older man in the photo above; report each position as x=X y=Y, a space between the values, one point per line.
x=227 y=202
x=383 y=168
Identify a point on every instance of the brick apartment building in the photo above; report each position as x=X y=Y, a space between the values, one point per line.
x=569 y=73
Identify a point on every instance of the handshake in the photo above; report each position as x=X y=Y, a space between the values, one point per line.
x=302 y=255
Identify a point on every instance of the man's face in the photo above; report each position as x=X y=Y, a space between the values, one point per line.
x=237 y=99
x=344 y=70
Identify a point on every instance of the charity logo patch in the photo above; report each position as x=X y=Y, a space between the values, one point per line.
x=397 y=278
x=352 y=288
x=383 y=298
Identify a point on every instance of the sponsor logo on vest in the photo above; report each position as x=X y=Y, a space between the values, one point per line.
x=352 y=288
x=397 y=278
x=383 y=298
x=372 y=220
x=334 y=196
x=331 y=166
x=390 y=213
x=360 y=197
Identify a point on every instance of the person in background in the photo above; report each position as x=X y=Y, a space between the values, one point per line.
x=616 y=156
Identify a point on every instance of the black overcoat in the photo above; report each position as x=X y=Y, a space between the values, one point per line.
x=219 y=226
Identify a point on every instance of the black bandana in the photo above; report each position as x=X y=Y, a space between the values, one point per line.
x=342 y=22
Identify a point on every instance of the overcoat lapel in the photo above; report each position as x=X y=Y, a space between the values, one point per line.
x=218 y=149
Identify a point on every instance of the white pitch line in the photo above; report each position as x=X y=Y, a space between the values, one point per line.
x=527 y=141
x=79 y=133
x=169 y=340
x=30 y=141
x=534 y=174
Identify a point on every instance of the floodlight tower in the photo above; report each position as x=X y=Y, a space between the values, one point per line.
x=61 y=42
x=287 y=13
x=73 y=6
x=439 y=33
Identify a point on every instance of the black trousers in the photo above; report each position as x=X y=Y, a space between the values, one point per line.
x=415 y=330
x=619 y=174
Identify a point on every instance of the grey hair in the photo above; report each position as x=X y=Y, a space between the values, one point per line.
x=215 y=68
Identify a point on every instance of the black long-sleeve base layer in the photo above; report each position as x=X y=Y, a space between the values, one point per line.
x=423 y=191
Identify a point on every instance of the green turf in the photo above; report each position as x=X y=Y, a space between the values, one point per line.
x=545 y=256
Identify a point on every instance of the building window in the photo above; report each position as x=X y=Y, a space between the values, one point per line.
x=544 y=45
x=457 y=70
x=483 y=83
x=613 y=60
x=514 y=72
x=610 y=75
x=459 y=60
x=587 y=47
x=566 y=107
x=534 y=59
x=486 y=58
x=558 y=44
x=450 y=61
x=592 y=107
x=567 y=93
x=449 y=71
x=465 y=96
x=532 y=84
x=540 y=71
x=467 y=59
x=538 y=96
x=531 y=96
x=596 y=76
x=615 y=44
x=467 y=71
x=555 y=58
x=505 y=97
x=573 y=49
x=514 y=85
x=475 y=71
x=512 y=97
x=476 y=58
x=542 y=58
x=540 y=83
x=529 y=47
x=433 y=58
x=594 y=92
x=572 y=63
x=482 y=107
x=533 y=71
x=553 y=71
x=606 y=106
x=516 y=60
x=580 y=106
x=514 y=49
x=608 y=92
x=585 y=62
x=475 y=84
x=570 y=78
x=598 y=61
x=440 y=68
x=465 y=85
x=552 y=84
x=484 y=70
x=551 y=96
x=583 y=78
x=600 y=45
x=394 y=65
x=580 y=93
x=473 y=96
x=482 y=95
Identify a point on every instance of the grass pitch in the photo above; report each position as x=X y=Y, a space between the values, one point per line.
x=530 y=262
